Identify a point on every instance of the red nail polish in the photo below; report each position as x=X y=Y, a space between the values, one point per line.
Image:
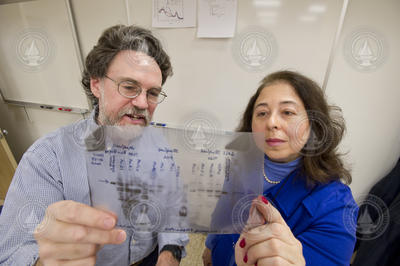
x=256 y=264
x=245 y=258
x=264 y=200
x=242 y=243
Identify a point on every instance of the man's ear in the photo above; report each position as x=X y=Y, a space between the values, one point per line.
x=95 y=84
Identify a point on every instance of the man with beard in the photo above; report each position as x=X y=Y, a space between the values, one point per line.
x=123 y=77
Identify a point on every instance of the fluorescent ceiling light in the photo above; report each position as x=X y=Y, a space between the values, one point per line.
x=307 y=18
x=317 y=8
x=267 y=14
x=267 y=3
x=268 y=21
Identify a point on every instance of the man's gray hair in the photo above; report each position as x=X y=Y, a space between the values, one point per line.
x=119 y=38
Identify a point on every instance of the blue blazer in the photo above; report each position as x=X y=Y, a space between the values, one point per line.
x=322 y=217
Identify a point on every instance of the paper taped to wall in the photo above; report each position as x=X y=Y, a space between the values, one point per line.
x=217 y=18
x=174 y=13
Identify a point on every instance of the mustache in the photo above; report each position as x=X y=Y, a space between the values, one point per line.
x=135 y=111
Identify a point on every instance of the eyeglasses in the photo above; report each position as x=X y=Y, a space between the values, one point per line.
x=130 y=89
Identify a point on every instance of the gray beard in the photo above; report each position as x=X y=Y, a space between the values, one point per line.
x=106 y=120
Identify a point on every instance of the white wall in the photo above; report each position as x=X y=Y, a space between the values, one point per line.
x=53 y=79
x=369 y=98
x=207 y=79
x=27 y=125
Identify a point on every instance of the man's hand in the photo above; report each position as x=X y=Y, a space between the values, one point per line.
x=72 y=233
x=166 y=259
x=207 y=257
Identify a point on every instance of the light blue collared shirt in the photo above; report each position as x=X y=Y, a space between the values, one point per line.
x=54 y=169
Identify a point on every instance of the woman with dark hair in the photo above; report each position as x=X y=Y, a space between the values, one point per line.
x=308 y=208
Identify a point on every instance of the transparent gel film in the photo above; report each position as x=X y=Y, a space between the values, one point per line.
x=155 y=182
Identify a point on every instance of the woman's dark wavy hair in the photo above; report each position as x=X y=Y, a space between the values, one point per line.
x=116 y=39
x=322 y=165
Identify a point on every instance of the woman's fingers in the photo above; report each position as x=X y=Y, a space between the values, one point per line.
x=255 y=218
x=273 y=247
x=273 y=261
x=207 y=261
x=271 y=242
x=268 y=211
x=274 y=225
x=268 y=231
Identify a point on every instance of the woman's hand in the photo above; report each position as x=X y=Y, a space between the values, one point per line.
x=207 y=257
x=270 y=244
